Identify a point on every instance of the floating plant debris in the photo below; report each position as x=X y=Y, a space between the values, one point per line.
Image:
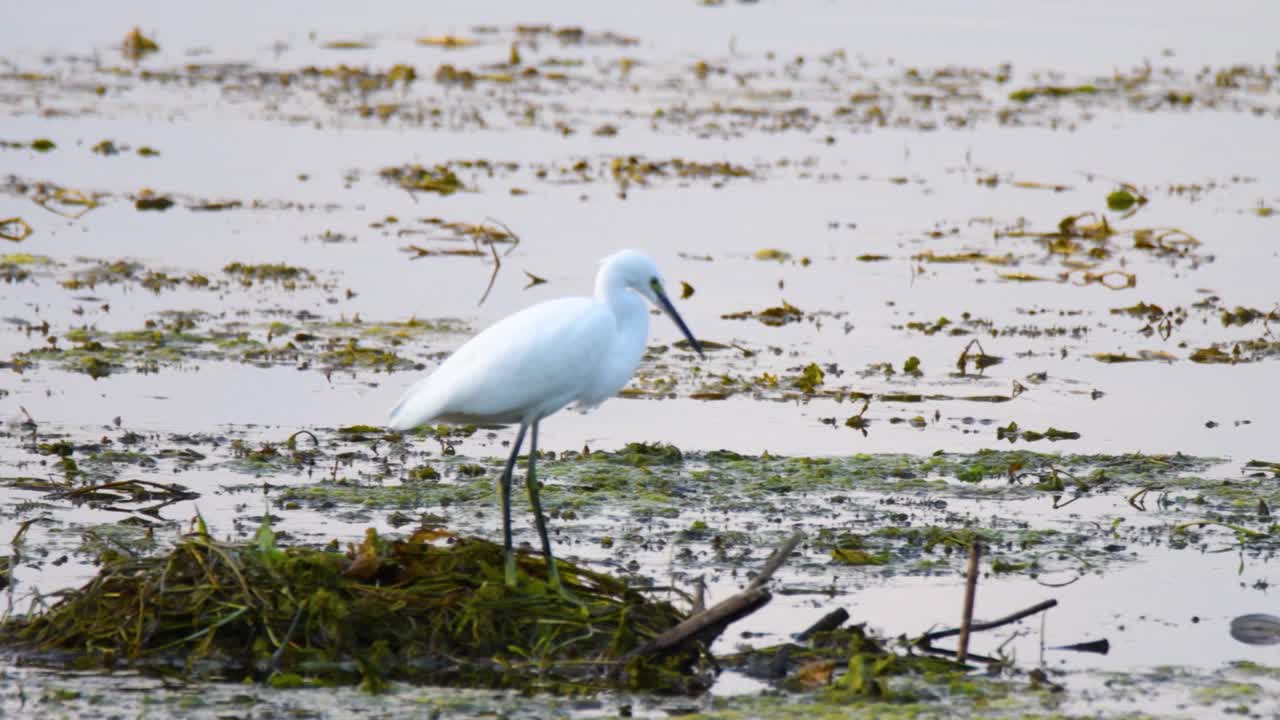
x=136 y=45
x=14 y=229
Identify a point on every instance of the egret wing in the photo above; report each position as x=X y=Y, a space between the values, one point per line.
x=529 y=364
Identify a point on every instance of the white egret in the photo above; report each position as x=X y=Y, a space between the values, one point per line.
x=531 y=364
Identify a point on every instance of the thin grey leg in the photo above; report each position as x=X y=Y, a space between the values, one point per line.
x=504 y=497
x=553 y=573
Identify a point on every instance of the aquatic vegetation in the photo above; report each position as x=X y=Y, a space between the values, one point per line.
x=187 y=338
x=150 y=200
x=1051 y=91
x=451 y=42
x=635 y=169
x=432 y=607
x=137 y=46
x=1013 y=433
x=440 y=179
x=264 y=272
x=945 y=297
x=774 y=316
x=16 y=267
x=15 y=229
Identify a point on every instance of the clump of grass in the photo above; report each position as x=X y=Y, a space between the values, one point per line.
x=279 y=272
x=438 y=179
x=429 y=608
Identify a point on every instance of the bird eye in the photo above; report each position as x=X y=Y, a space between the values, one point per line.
x=657 y=286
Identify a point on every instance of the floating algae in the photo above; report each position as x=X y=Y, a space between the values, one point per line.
x=410 y=610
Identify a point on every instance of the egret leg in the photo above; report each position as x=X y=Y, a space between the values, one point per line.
x=553 y=574
x=504 y=495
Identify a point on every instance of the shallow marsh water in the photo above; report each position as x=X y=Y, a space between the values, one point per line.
x=884 y=153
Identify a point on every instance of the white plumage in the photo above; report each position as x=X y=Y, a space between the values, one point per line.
x=531 y=364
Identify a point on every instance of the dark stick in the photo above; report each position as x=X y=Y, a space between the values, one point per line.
x=708 y=624
x=278 y=655
x=716 y=617
x=699 y=596
x=123 y=484
x=973 y=657
x=30 y=422
x=1101 y=647
x=989 y=625
x=775 y=561
x=970 y=590
x=497 y=265
x=514 y=237
x=826 y=623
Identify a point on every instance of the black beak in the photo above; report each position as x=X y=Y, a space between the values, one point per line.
x=669 y=309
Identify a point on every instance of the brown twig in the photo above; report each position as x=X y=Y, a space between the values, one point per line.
x=1138 y=500
x=826 y=623
x=776 y=560
x=708 y=624
x=1266 y=320
x=974 y=657
x=137 y=485
x=1059 y=505
x=16 y=542
x=1099 y=647
x=497 y=262
x=30 y=422
x=970 y=590
x=699 y=596
x=514 y=237
x=497 y=265
x=292 y=442
x=963 y=361
x=926 y=639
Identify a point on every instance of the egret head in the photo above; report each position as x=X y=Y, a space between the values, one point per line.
x=639 y=272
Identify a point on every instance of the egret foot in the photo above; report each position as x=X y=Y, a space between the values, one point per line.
x=553 y=579
x=510 y=568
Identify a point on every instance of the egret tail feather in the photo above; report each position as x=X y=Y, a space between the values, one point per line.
x=422 y=403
